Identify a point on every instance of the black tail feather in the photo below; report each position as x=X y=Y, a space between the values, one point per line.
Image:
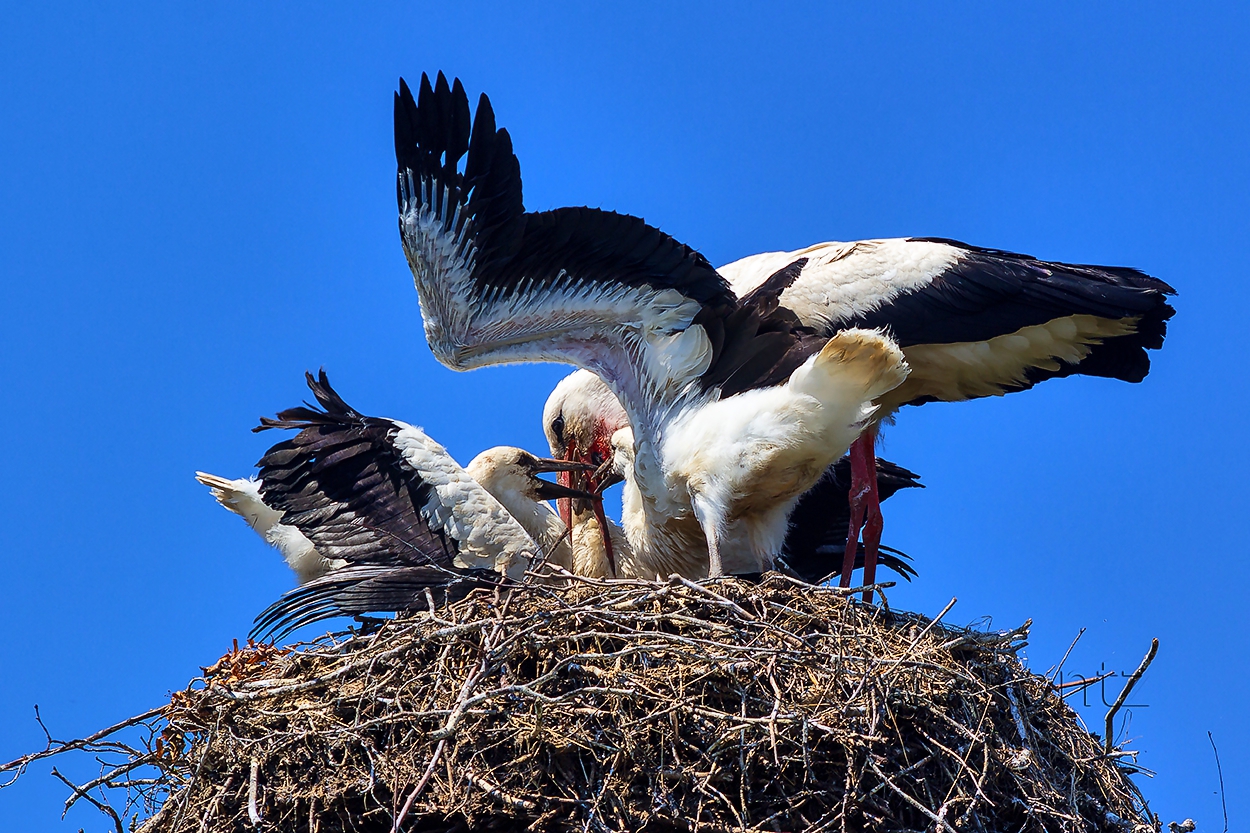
x=820 y=523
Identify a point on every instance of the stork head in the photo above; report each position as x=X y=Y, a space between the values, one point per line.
x=579 y=420
x=580 y=417
x=509 y=473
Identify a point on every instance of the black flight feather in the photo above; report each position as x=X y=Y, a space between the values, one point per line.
x=342 y=483
x=515 y=250
x=582 y=244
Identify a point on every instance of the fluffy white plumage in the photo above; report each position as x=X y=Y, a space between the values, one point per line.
x=489 y=537
x=733 y=467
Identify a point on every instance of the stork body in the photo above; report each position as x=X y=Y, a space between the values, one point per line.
x=387 y=515
x=689 y=361
x=583 y=420
x=971 y=322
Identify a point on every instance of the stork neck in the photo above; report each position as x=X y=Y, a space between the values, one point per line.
x=660 y=543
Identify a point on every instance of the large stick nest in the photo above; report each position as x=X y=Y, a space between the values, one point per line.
x=639 y=706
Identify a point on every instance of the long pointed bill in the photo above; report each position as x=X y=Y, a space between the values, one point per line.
x=564 y=506
x=597 y=507
x=543 y=465
x=546 y=490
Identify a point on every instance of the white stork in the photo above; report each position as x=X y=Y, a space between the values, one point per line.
x=709 y=381
x=972 y=322
x=583 y=420
x=370 y=512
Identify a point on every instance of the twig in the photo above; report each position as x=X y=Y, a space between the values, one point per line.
x=1017 y=716
x=495 y=791
x=1083 y=683
x=416 y=791
x=1059 y=667
x=79 y=792
x=1124 y=692
x=253 y=813
x=212 y=808
x=81 y=743
x=913 y=802
x=1220 y=770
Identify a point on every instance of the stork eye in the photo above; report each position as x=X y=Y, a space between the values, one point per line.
x=557 y=428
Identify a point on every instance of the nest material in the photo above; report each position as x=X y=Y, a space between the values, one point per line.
x=639 y=706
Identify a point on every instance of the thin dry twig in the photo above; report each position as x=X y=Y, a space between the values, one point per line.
x=1124 y=692
x=1220 y=771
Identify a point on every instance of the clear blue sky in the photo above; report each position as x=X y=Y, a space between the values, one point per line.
x=197 y=204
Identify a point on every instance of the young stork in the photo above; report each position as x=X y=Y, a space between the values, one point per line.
x=728 y=398
x=509 y=474
x=972 y=322
x=371 y=512
x=583 y=420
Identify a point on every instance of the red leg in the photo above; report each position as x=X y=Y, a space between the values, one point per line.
x=863 y=464
x=873 y=521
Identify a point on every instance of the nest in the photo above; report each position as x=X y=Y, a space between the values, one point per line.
x=637 y=706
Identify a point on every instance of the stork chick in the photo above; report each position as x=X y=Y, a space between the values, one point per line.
x=389 y=514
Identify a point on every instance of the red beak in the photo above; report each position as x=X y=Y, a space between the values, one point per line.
x=565 y=478
x=588 y=482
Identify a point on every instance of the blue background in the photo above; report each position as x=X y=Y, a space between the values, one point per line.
x=197 y=204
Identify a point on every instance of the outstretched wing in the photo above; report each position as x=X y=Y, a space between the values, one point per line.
x=820 y=522
x=975 y=321
x=601 y=290
x=380 y=494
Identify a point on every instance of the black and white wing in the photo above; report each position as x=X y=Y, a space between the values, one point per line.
x=820 y=523
x=973 y=321
x=597 y=289
x=383 y=497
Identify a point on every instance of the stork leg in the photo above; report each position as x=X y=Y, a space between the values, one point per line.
x=865 y=510
x=709 y=520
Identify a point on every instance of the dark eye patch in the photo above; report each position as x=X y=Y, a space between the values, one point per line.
x=557 y=428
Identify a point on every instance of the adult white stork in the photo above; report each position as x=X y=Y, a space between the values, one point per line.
x=971 y=321
x=709 y=381
x=584 y=421
x=387 y=513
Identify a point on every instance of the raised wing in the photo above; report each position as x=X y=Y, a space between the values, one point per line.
x=975 y=321
x=593 y=288
x=820 y=522
x=382 y=496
